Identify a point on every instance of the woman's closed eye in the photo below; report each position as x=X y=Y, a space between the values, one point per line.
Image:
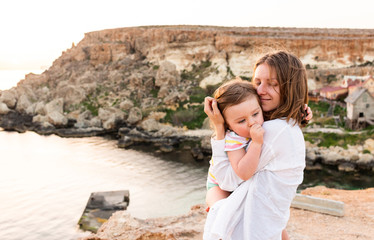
x=241 y=121
x=257 y=83
x=274 y=83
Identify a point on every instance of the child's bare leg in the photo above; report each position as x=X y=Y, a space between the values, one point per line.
x=214 y=194
x=285 y=235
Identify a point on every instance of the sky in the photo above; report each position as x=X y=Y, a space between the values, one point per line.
x=36 y=32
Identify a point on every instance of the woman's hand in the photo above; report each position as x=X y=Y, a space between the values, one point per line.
x=215 y=116
x=309 y=112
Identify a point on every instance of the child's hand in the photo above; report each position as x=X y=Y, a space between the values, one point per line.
x=211 y=109
x=215 y=116
x=257 y=133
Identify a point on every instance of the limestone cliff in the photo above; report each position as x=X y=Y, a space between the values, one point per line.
x=161 y=73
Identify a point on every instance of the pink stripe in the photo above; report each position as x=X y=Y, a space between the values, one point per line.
x=213 y=181
x=233 y=146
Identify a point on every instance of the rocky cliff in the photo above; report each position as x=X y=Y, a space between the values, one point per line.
x=155 y=78
x=125 y=74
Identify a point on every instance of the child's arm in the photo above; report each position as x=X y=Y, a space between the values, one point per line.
x=245 y=164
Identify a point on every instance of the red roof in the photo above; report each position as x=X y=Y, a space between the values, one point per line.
x=331 y=89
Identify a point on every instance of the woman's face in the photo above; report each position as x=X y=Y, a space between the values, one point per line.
x=267 y=87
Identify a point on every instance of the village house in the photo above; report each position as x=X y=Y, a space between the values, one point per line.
x=360 y=105
x=333 y=93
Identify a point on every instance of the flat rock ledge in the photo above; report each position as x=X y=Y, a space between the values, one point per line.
x=357 y=222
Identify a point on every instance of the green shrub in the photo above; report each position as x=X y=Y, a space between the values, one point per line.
x=340 y=111
x=91 y=103
x=198 y=72
x=192 y=118
x=319 y=107
x=333 y=139
x=331 y=78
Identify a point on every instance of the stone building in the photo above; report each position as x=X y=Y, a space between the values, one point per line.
x=360 y=106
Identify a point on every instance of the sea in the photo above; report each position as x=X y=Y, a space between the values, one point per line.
x=45 y=181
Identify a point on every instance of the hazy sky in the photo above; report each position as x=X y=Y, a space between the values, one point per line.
x=35 y=32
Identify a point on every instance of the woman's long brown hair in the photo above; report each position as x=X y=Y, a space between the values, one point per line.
x=293 y=85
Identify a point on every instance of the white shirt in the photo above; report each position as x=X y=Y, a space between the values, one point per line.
x=259 y=207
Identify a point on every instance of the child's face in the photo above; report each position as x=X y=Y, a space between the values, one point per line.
x=242 y=116
x=267 y=87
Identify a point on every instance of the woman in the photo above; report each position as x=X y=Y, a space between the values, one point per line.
x=259 y=207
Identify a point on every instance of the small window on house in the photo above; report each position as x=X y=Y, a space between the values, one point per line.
x=361 y=115
x=367 y=105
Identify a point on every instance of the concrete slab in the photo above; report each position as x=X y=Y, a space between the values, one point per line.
x=326 y=206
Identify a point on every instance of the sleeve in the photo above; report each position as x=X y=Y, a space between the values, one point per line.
x=234 y=142
x=221 y=167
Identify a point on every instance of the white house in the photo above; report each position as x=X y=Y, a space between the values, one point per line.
x=360 y=108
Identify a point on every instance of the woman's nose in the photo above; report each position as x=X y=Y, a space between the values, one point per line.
x=261 y=89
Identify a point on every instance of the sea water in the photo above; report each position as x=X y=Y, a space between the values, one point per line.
x=45 y=182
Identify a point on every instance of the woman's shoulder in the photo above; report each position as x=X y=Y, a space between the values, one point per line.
x=279 y=127
x=280 y=122
x=275 y=123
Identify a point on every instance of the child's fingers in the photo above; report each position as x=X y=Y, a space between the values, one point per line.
x=215 y=108
x=208 y=106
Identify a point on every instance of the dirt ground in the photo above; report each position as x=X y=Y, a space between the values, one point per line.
x=357 y=222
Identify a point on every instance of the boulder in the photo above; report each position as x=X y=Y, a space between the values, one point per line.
x=157 y=115
x=366 y=161
x=164 y=91
x=167 y=131
x=110 y=116
x=57 y=118
x=40 y=108
x=39 y=118
x=369 y=145
x=72 y=94
x=167 y=74
x=126 y=105
x=9 y=98
x=95 y=122
x=331 y=157
x=3 y=108
x=135 y=115
x=56 y=105
x=23 y=104
x=150 y=125
x=110 y=123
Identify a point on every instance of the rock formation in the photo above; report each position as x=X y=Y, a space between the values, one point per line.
x=124 y=78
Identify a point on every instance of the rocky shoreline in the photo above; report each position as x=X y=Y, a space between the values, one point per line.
x=167 y=138
x=357 y=222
